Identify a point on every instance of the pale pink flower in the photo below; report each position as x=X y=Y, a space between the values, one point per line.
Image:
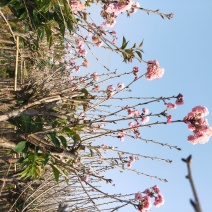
x=145 y=119
x=110 y=88
x=96 y=88
x=145 y=111
x=83 y=52
x=76 y=6
x=56 y=62
x=156 y=189
x=95 y=76
x=135 y=6
x=131 y=124
x=120 y=85
x=85 y=178
x=192 y=139
x=147 y=191
x=154 y=71
x=198 y=125
x=200 y=111
x=135 y=70
x=99 y=44
x=110 y=94
x=138 y=196
x=85 y=63
x=136 y=113
x=111 y=23
x=121 y=137
x=76 y=68
x=171 y=106
x=130 y=112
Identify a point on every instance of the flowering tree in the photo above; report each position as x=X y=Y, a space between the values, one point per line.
x=62 y=116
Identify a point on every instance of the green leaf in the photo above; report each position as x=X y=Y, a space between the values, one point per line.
x=36 y=125
x=63 y=141
x=53 y=138
x=49 y=34
x=41 y=32
x=20 y=147
x=141 y=44
x=139 y=54
x=56 y=173
x=124 y=43
x=85 y=92
x=5 y=3
x=25 y=123
x=67 y=131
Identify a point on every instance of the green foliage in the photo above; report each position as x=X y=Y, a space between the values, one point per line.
x=33 y=164
x=20 y=147
x=56 y=173
x=43 y=16
x=25 y=124
x=129 y=54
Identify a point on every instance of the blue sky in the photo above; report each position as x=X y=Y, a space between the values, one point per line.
x=182 y=46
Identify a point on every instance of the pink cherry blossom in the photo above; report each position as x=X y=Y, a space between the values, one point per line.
x=132 y=159
x=171 y=106
x=76 y=6
x=154 y=71
x=95 y=76
x=120 y=85
x=145 y=119
x=135 y=70
x=85 y=63
x=180 y=100
x=159 y=200
x=85 y=178
x=110 y=94
x=147 y=202
x=147 y=191
x=198 y=125
x=99 y=44
x=138 y=196
x=110 y=88
x=145 y=111
x=156 y=189
x=121 y=137
x=169 y=119
x=200 y=111
x=135 y=6
x=96 y=88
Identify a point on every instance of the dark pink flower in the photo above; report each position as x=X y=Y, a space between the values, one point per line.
x=169 y=119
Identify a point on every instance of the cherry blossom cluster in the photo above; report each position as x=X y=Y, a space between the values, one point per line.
x=111 y=11
x=76 y=6
x=131 y=160
x=170 y=105
x=154 y=71
x=198 y=125
x=144 y=198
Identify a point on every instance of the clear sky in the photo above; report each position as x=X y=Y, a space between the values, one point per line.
x=182 y=46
